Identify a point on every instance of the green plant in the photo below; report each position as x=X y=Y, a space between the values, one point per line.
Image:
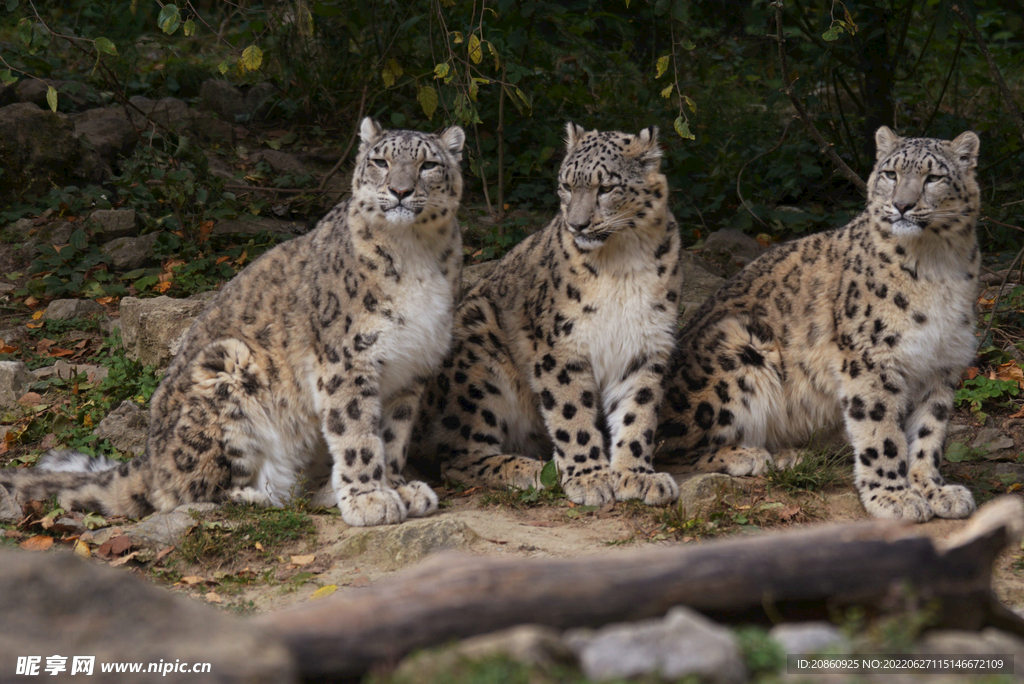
x=817 y=470
x=238 y=529
x=982 y=391
x=761 y=654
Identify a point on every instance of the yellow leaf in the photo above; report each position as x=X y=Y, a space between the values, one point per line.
x=51 y=98
x=476 y=53
x=259 y=546
x=37 y=315
x=494 y=53
x=192 y=579
x=252 y=57
x=441 y=70
x=391 y=72
x=682 y=128
x=667 y=92
x=427 y=98
x=690 y=103
x=82 y=549
x=303 y=560
x=323 y=592
x=456 y=37
x=213 y=597
x=662 y=65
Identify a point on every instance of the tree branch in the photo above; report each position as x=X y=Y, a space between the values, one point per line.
x=996 y=76
x=823 y=144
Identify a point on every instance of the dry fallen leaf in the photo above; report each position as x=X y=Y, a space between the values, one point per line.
x=124 y=559
x=789 y=513
x=259 y=546
x=213 y=597
x=323 y=592
x=303 y=560
x=114 y=546
x=191 y=579
x=81 y=549
x=361 y=581
x=40 y=542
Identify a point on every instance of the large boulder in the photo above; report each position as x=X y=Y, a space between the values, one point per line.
x=114 y=223
x=66 y=607
x=168 y=112
x=66 y=309
x=732 y=249
x=700 y=281
x=152 y=329
x=38 y=149
x=107 y=131
x=226 y=100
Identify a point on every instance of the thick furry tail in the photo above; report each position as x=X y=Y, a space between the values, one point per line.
x=81 y=482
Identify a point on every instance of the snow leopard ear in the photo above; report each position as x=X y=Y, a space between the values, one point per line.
x=573 y=133
x=885 y=142
x=965 y=148
x=648 y=152
x=453 y=139
x=369 y=133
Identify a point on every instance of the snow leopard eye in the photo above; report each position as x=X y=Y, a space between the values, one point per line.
x=564 y=187
x=427 y=165
x=933 y=178
x=380 y=162
x=605 y=189
x=891 y=175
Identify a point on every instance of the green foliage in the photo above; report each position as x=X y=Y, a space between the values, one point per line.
x=237 y=529
x=818 y=470
x=980 y=391
x=761 y=654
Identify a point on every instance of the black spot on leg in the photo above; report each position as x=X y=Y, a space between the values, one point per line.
x=889 y=448
x=568 y=411
x=644 y=396
x=334 y=422
x=353 y=410
x=856 y=410
x=940 y=411
x=704 y=415
x=877 y=411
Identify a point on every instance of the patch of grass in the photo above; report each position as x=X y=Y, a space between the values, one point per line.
x=731 y=511
x=762 y=655
x=817 y=471
x=238 y=532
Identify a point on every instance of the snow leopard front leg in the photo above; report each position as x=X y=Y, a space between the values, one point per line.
x=926 y=434
x=570 y=403
x=396 y=431
x=872 y=405
x=632 y=419
x=351 y=418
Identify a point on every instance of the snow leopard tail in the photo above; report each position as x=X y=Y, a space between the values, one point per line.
x=81 y=482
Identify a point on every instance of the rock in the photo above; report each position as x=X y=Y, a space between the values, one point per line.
x=129 y=253
x=1015 y=469
x=986 y=642
x=731 y=249
x=208 y=127
x=161 y=530
x=67 y=370
x=281 y=162
x=14 y=375
x=64 y=606
x=6 y=288
x=247 y=224
x=532 y=645
x=126 y=427
x=471 y=275
x=393 y=547
x=221 y=97
x=684 y=643
x=994 y=444
x=38 y=149
x=259 y=100
x=115 y=223
x=66 y=309
x=9 y=508
x=108 y=132
x=152 y=329
x=169 y=112
x=699 y=282
x=809 y=637
x=72 y=96
x=14 y=336
x=698 y=490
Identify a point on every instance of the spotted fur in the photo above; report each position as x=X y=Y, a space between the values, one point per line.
x=868 y=326
x=563 y=348
x=308 y=365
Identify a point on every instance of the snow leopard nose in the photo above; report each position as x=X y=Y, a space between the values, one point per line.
x=400 y=193
x=579 y=226
x=904 y=207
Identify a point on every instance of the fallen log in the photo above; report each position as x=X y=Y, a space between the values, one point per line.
x=797 y=574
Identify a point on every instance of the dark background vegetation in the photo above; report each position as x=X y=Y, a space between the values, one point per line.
x=513 y=72
x=735 y=129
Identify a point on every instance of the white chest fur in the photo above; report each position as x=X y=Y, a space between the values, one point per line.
x=624 y=327
x=418 y=333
